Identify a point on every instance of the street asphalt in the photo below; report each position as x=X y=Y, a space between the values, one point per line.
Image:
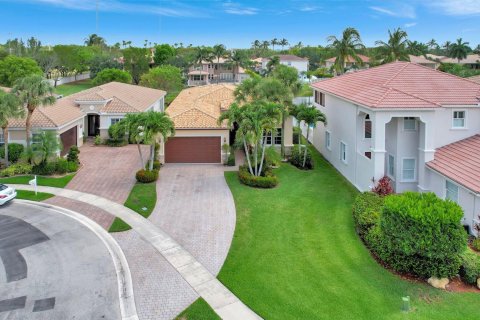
x=53 y=267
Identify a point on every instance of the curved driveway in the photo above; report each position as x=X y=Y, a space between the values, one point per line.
x=66 y=272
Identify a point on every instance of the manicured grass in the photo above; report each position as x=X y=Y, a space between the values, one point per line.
x=73 y=87
x=305 y=91
x=30 y=195
x=60 y=182
x=199 y=310
x=295 y=255
x=143 y=195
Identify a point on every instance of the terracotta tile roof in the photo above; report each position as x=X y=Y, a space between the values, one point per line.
x=471 y=58
x=420 y=59
x=460 y=162
x=199 y=107
x=475 y=79
x=57 y=115
x=402 y=85
x=350 y=59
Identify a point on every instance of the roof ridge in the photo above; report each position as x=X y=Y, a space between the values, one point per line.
x=389 y=89
x=415 y=96
x=46 y=116
x=405 y=64
x=191 y=109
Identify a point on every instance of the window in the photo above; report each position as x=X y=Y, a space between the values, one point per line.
x=114 y=120
x=451 y=191
x=267 y=137
x=368 y=154
x=278 y=136
x=409 y=124
x=408 y=169
x=458 y=119
x=343 y=152
x=368 y=127
x=2 y=139
x=327 y=140
x=391 y=166
x=320 y=98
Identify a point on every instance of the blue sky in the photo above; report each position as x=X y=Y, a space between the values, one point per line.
x=237 y=23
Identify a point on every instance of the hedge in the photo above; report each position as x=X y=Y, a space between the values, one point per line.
x=296 y=158
x=421 y=234
x=16 y=169
x=366 y=212
x=146 y=176
x=470 y=268
x=269 y=180
x=15 y=150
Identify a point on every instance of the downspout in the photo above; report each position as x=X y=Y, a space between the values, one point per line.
x=356 y=146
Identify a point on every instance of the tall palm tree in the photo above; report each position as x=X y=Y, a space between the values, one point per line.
x=396 y=47
x=346 y=47
x=265 y=45
x=219 y=51
x=156 y=124
x=283 y=42
x=296 y=111
x=10 y=108
x=311 y=116
x=202 y=54
x=459 y=50
x=237 y=58
x=33 y=92
x=256 y=45
x=274 y=42
x=432 y=44
x=94 y=40
x=417 y=48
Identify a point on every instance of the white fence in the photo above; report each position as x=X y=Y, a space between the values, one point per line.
x=68 y=79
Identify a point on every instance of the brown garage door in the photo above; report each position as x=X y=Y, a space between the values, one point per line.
x=68 y=138
x=193 y=150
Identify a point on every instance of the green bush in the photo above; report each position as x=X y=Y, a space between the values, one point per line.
x=422 y=234
x=98 y=140
x=273 y=157
x=146 y=176
x=366 y=212
x=116 y=143
x=231 y=159
x=470 y=268
x=15 y=150
x=15 y=169
x=296 y=158
x=156 y=165
x=45 y=168
x=61 y=166
x=476 y=244
x=72 y=155
x=72 y=166
x=268 y=180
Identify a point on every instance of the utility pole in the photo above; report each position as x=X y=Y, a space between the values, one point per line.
x=96 y=29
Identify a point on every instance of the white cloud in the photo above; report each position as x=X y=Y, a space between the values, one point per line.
x=457 y=7
x=238 y=9
x=409 y=25
x=308 y=8
x=178 y=10
x=398 y=10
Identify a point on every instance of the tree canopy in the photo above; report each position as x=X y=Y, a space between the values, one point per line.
x=168 y=78
x=13 y=68
x=109 y=75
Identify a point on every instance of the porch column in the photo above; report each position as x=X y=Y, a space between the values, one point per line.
x=426 y=150
x=378 y=146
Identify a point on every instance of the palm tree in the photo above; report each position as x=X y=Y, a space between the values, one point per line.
x=311 y=116
x=256 y=45
x=94 y=40
x=156 y=124
x=296 y=111
x=134 y=125
x=346 y=47
x=446 y=46
x=265 y=45
x=459 y=50
x=396 y=47
x=417 y=48
x=283 y=43
x=10 y=108
x=274 y=61
x=45 y=147
x=202 y=54
x=218 y=52
x=237 y=58
x=33 y=92
x=432 y=44
x=274 y=42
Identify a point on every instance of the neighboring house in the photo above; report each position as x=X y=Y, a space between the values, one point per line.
x=350 y=63
x=421 y=60
x=212 y=72
x=472 y=61
x=418 y=126
x=301 y=64
x=89 y=112
x=198 y=136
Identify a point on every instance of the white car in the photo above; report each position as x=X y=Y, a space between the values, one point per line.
x=6 y=194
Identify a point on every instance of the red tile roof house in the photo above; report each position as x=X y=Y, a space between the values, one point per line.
x=350 y=62
x=89 y=112
x=416 y=125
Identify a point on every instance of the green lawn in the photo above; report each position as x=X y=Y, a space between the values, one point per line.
x=199 y=310
x=42 y=181
x=73 y=87
x=143 y=195
x=30 y=195
x=295 y=255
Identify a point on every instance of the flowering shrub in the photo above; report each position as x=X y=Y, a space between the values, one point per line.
x=383 y=187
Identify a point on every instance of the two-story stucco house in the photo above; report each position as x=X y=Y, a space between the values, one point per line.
x=416 y=125
x=299 y=63
x=216 y=71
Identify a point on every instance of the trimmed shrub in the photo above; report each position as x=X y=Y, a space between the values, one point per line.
x=422 y=234
x=268 y=180
x=15 y=150
x=231 y=159
x=476 y=244
x=45 y=168
x=470 y=268
x=296 y=158
x=72 y=166
x=61 y=166
x=15 y=169
x=72 y=155
x=146 y=176
x=366 y=212
x=98 y=140
x=156 y=165
x=383 y=187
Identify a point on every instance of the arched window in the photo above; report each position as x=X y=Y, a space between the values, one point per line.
x=367 y=127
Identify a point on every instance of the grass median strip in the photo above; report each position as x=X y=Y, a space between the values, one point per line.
x=30 y=195
x=199 y=310
x=142 y=199
x=57 y=182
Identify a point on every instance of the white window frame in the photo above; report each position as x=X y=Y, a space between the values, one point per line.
x=114 y=120
x=405 y=119
x=464 y=119
x=2 y=138
x=320 y=100
x=364 y=125
x=447 y=182
x=344 y=152
x=391 y=160
x=328 y=140
x=275 y=136
x=414 y=170
x=267 y=135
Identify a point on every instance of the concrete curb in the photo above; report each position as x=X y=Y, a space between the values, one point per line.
x=124 y=279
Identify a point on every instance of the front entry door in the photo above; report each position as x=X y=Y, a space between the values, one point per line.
x=93 y=125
